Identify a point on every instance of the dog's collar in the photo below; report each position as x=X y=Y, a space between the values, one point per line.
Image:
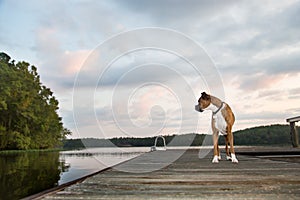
x=218 y=109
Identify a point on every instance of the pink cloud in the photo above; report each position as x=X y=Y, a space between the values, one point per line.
x=73 y=60
x=54 y=59
x=151 y=96
x=259 y=81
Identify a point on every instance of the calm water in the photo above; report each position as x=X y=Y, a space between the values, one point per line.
x=26 y=173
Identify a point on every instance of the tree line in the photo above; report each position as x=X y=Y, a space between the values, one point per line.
x=262 y=135
x=28 y=109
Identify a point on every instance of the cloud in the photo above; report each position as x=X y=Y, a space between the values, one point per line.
x=265 y=115
x=259 y=81
x=80 y=24
x=270 y=93
x=294 y=91
x=245 y=52
x=58 y=64
x=170 y=11
x=254 y=44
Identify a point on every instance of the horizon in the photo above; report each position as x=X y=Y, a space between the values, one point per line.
x=177 y=134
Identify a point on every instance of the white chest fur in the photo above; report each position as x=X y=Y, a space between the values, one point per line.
x=220 y=123
x=218 y=119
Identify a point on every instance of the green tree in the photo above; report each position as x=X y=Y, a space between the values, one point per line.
x=28 y=109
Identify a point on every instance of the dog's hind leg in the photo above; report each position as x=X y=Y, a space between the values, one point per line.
x=219 y=153
x=228 y=157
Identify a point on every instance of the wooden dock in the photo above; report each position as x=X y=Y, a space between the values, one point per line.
x=189 y=177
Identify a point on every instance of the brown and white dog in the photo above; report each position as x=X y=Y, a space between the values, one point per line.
x=222 y=122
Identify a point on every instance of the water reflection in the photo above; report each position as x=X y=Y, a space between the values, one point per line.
x=27 y=173
x=87 y=161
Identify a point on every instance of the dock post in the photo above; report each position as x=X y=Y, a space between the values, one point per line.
x=294 y=132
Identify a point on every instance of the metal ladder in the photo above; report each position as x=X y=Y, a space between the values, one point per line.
x=156 y=148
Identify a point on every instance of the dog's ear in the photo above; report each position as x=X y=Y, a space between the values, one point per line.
x=205 y=96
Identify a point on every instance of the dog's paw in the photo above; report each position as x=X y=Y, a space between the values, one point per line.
x=215 y=159
x=234 y=159
x=228 y=158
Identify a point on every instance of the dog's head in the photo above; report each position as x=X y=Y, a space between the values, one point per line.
x=203 y=102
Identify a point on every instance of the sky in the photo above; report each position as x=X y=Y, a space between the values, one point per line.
x=136 y=68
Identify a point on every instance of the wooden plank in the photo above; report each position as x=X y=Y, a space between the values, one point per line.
x=189 y=177
x=293 y=119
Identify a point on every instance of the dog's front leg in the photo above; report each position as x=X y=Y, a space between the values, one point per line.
x=216 y=147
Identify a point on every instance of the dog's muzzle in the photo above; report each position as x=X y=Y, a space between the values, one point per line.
x=197 y=108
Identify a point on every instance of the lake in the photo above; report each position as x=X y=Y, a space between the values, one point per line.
x=26 y=173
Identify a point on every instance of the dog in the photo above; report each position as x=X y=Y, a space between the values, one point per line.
x=222 y=122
